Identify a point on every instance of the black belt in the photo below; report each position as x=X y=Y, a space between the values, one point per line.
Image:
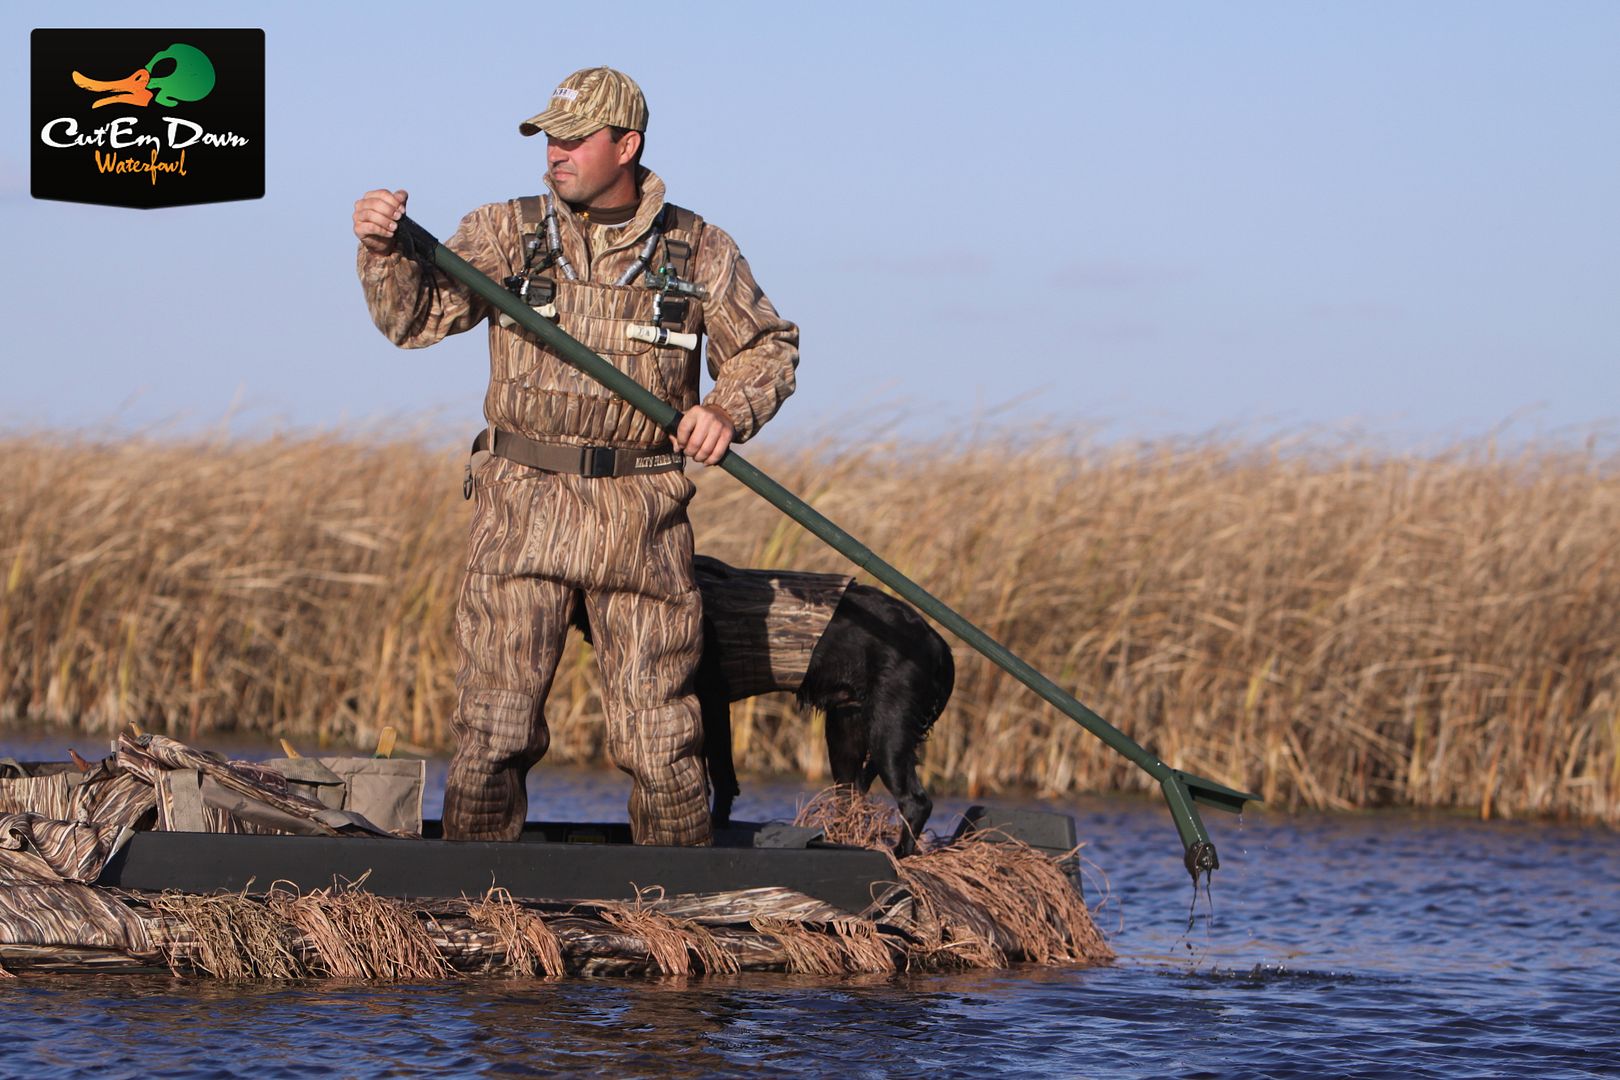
x=587 y=461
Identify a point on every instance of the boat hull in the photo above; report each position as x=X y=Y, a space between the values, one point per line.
x=535 y=868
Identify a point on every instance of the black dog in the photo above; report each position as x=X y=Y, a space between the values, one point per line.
x=879 y=672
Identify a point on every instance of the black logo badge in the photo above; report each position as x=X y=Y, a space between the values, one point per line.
x=148 y=118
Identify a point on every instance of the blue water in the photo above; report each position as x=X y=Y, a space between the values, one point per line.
x=1370 y=944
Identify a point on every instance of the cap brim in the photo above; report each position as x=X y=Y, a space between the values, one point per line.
x=560 y=125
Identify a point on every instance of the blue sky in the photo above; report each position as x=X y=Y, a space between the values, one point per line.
x=1138 y=219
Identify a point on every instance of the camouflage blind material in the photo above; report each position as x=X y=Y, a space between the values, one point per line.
x=766 y=623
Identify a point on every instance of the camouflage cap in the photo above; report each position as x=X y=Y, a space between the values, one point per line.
x=588 y=100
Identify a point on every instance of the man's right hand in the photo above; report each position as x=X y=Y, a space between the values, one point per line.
x=376 y=216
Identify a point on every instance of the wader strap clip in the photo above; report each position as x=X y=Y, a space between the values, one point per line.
x=596 y=461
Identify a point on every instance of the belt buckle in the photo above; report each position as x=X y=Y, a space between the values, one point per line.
x=596 y=462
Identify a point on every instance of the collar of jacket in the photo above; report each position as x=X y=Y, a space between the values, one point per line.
x=631 y=234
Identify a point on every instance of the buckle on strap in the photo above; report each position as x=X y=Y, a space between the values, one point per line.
x=597 y=461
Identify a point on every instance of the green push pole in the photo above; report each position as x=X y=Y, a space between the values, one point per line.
x=1182 y=791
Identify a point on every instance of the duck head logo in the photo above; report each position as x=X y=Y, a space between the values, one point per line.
x=179 y=73
x=185 y=127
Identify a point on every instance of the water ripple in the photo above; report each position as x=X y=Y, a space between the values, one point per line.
x=1350 y=945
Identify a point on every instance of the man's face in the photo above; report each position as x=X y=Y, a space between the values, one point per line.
x=581 y=170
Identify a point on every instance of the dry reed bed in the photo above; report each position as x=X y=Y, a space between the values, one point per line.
x=1330 y=628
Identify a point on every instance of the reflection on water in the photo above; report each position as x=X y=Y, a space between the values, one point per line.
x=1350 y=944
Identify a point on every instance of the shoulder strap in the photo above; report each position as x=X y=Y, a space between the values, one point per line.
x=679 y=223
x=680 y=219
x=532 y=213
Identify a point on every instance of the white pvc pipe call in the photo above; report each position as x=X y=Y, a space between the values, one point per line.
x=658 y=335
x=549 y=311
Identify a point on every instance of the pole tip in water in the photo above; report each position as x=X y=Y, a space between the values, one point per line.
x=1201 y=859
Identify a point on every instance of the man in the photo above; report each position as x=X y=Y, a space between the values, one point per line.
x=582 y=494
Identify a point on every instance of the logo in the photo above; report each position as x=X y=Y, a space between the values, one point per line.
x=567 y=93
x=189 y=78
x=184 y=127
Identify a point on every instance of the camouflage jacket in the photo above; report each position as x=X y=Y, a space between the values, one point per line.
x=752 y=351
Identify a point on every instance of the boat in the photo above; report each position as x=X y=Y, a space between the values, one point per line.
x=164 y=857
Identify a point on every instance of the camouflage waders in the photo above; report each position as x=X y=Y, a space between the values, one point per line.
x=625 y=542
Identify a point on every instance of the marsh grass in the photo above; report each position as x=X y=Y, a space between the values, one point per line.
x=1331 y=628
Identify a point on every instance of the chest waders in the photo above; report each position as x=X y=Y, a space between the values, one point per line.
x=580 y=495
x=643 y=323
x=1183 y=791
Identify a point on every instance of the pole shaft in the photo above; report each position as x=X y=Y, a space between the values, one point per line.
x=796 y=508
x=1188 y=823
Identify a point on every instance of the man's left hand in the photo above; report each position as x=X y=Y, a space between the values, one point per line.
x=705 y=433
